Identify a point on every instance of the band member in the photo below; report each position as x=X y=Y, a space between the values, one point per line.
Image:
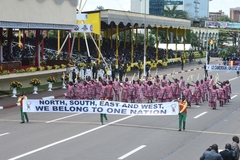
x=188 y=94
x=197 y=93
x=221 y=94
x=169 y=92
x=162 y=96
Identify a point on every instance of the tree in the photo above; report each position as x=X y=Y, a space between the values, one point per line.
x=191 y=38
x=225 y=34
x=99 y=8
x=174 y=13
x=224 y=19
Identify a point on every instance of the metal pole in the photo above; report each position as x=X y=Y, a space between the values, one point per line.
x=145 y=40
x=207 y=46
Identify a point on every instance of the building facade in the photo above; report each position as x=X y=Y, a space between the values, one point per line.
x=235 y=14
x=194 y=8
x=213 y=16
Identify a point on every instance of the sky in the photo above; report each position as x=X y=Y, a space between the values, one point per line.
x=214 y=5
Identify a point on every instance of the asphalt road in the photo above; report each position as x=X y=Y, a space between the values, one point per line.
x=61 y=136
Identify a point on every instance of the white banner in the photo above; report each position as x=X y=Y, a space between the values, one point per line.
x=222 y=68
x=100 y=106
x=83 y=28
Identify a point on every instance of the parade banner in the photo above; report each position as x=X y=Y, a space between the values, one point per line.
x=222 y=68
x=100 y=106
x=220 y=24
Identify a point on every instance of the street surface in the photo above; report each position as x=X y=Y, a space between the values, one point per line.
x=62 y=136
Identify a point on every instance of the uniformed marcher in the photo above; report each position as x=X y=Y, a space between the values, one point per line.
x=103 y=115
x=182 y=113
x=23 y=114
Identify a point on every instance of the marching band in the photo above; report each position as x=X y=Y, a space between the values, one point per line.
x=151 y=89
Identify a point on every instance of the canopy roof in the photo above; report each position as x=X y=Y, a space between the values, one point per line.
x=111 y=18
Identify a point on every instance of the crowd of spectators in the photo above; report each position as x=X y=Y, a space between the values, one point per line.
x=18 y=53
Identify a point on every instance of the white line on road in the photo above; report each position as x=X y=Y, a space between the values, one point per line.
x=233 y=78
x=200 y=115
x=233 y=96
x=67 y=139
x=131 y=152
x=3 y=134
x=63 y=118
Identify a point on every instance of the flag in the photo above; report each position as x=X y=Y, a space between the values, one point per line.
x=211 y=41
x=95 y=20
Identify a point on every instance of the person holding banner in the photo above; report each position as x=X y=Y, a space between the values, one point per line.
x=182 y=113
x=103 y=115
x=23 y=114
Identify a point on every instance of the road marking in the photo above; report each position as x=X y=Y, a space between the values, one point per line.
x=233 y=96
x=63 y=118
x=233 y=78
x=200 y=115
x=49 y=97
x=67 y=139
x=131 y=152
x=1 y=107
x=3 y=134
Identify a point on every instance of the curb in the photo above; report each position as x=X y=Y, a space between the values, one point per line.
x=15 y=105
x=189 y=70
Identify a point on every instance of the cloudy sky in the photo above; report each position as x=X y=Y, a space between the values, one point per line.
x=215 y=5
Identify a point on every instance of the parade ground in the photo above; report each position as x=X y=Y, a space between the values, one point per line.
x=65 y=136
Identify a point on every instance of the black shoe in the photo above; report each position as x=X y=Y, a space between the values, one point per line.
x=27 y=120
x=22 y=122
x=179 y=130
x=183 y=128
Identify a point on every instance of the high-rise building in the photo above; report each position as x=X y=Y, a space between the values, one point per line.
x=235 y=14
x=194 y=8
x=213 y=16
x=156 y=7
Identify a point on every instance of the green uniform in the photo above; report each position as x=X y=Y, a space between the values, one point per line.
x=182 y=114
x=23 y=114
x=102 y=115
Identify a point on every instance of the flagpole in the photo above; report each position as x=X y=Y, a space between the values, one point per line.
x=145 y=40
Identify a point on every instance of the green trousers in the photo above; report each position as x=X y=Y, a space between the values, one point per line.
x=101 y=117
x=23 y=114
x=182 y=120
